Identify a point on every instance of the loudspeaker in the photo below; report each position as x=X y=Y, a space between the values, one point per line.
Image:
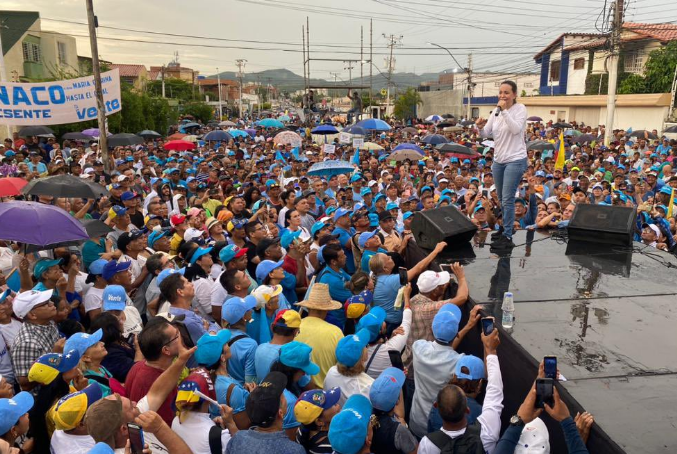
x=442 y=224
x=603 y=224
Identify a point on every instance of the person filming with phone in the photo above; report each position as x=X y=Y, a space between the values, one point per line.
x=507 y=124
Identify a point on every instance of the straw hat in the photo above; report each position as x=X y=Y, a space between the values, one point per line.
x=320 y=299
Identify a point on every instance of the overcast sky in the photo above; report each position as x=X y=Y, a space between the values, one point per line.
x=502 y=34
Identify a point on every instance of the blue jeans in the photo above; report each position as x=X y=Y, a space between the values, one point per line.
x=507 y=178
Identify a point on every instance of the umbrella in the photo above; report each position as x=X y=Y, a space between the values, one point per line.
x=288 y=138
x=92 y=132
x=534 y=118
x=371 y=146
x=177 y=136
x=467 y=123
x=434 y=139
x=325 y=130
x=355 y=130
x=123 y=139
x=401 y=154
x=540 y=145
x=149 y=135
x=284 y=118
x=457 y=148
x=373 y=124
x=330 y=168
x=179 y=145
x=28 y=131
x=190 y=125
x=11 y=186
x=643 y=134
x=251 y=131
x=239 y=133
x=447 y=116
x=191 y=138
x=561 y=125
x=271 y=123
x=96 y=228
x=65 y=186
x=227 y=123
x=572 y=133
x=39 y=224
x=75 y=136
x=217 y=136
x=671 y=129
x=409 y=146
x=446 y=124
x=453 y=129
x=410 y=130
x=434 y=118
x=583 y=138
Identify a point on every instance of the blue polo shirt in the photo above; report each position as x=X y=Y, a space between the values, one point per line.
x=238 y=397
x=266 y=355
x=260 y=327
x=336 y=280
x=241 y=366
x=344 y=237
x=385 y=292
x=367 y=255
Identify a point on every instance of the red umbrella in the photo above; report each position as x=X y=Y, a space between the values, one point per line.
x=179 y=145
x=11 y=186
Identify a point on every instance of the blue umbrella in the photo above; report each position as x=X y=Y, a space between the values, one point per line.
x=238 y=133
x=217 y=136
x=374 y=124
x=434 y=139
x=325 y=130
x=409 y=146
x=271 y=123
x=284 y=118
x=330 y=168
x=355 y=130
x=434 y=118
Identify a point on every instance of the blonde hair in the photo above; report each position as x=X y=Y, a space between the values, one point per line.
x=376 y=263
x=354 y=371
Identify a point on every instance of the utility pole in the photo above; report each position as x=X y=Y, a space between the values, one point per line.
x=163 y=81
x=218 y=84
x=101 y=107
x=468 y=115
x=350 y=68
x=3 y=75
x=371 y=63
x=335 y=91
x=240 y=73
x=392 y=42
x=614 y=41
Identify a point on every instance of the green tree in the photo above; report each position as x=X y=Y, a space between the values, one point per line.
x=199 y=110
x=176 y=89
x=659 y=71
x=406 y=103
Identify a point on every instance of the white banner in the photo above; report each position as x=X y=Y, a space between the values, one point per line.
x=344 y=137
x=358 y=143
x=329 y=148
x=60 y=102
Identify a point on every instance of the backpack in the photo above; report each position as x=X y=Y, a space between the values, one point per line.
x=468 y=443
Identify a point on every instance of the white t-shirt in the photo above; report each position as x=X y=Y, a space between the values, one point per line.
x=150 y=439
x=194 y=430
x=93 y=299
x=63 y=443
x=137 y=265
x=10 y=330
x=133 y=324
x=360 y=384
x=202 y=302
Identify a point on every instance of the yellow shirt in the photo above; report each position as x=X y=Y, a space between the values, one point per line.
x=174 y=244
x=323 y=338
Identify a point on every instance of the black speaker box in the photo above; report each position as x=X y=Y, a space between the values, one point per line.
x=442 y=224
x=603 y=224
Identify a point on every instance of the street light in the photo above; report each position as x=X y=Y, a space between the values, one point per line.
x=467 y=71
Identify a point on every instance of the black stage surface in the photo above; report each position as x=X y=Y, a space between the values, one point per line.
x=608 y=313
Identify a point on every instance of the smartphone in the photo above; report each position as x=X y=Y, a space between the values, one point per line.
x=396 y=359
x=487 y=325
x=135 y=438
x=485 y=193
x=550 y=367
x=544 y=392
x=446 y=267
x=574 y=184
x=404 y=279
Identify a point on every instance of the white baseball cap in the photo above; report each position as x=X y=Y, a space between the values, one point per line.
x=534 y=438
x=430 y=280
x=24 y=302
x=192 y=234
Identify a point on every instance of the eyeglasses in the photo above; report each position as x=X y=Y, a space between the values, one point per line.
x=172 y=340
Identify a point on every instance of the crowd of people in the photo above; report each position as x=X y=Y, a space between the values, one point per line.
x=238 y=304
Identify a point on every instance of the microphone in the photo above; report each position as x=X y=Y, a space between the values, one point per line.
x=498 y=111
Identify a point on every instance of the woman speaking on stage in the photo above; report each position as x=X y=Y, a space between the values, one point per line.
x=507 y=125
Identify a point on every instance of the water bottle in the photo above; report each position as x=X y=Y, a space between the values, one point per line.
x=508 y=308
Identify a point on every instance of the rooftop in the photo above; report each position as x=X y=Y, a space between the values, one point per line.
x=129 y=70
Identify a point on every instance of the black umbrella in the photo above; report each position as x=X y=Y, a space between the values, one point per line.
x=29 y=131
x=148 y=134
x=76 y=136
x=445 y=124
x=467 y=123
x=540 y=145
x=561 y=125
x=447 y=116
x=643 y=134
x=452 y=147
x=672 y=129
x=583 y=138
x=96 y=228
x=123 y=139
x=65 y=186
x=534 y=118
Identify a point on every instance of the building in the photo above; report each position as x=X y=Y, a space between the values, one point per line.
x=574 y=62
x=445 y=81
x=134 y=75
x=31 y=53
x=174 y=70
x=230 y=89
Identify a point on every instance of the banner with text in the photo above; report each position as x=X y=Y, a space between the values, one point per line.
x=60 y=102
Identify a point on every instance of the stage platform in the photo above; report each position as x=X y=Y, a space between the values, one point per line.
x=608 y=313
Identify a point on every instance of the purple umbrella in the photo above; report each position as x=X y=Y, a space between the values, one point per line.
x=94 y=132
x=251 y=132
x=38 y=224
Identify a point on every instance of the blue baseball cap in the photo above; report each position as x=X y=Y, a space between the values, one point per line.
x=297 y=355
x=348 y=429
x=310 y=404
x=373 y=220
x=666 y=190
x=445 y=323
x=82 y=341
x=366 y=236
x=11 y=410
x=478 y=208
x=379 y=196
x=199 y=252
x=47 y=367
x=372 y=322
x=168 y=272
x=114 y=298
x=540 y=173
x=129 y=195
x=407 y=215
x=156 y=235
x=341 y=212
x=96 y=267
x=264 y=268
x=425 y=188
x=474 y=367
x=235 y=308
x=113 y=267
x=349 y=349
x=231 y=252
x=288 y=238
x=43 y=265
x=356 y=177
x=210 y=347
x=392 y=206
x=319 y=225
x=385 y=391
x=101 y=448
x=365 y=192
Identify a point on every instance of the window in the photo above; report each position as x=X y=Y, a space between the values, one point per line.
x=61 y=51
x=554 y=70
x=579 y=63
x=31 y=52
x=528 y=85
x=497 y=84
x=634 y=62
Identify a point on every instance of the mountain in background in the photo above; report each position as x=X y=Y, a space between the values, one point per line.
x=286 y=80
